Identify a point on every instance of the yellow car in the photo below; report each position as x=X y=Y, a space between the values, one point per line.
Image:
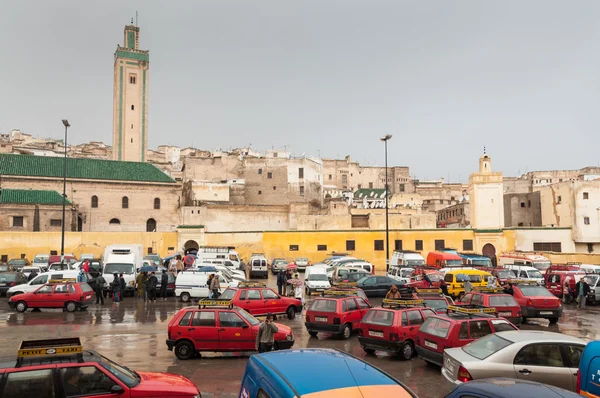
x=455 y=280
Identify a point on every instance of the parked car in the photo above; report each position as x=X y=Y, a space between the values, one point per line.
x=302 y=263
x=257 y=299
x=501 y=387
x=60 y=294
x=435 y=299
x=41 y=260
x=376 y=286
x=29 y=269
x=279 y=264
x=504 y=304
x=316 y=281
x=10 y=279
x=537 y=302
x=18 y=263
x=42 y=279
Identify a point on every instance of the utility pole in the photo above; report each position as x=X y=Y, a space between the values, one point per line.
x=387 y=228
x=62 y=239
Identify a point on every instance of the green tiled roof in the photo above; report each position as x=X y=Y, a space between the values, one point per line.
x=369 y=193
x=95 y=169
x=31 y=196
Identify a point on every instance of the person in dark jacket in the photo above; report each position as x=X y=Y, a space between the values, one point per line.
x=444 y=287
x=116 y=288
x=98 y=285
x=509 y=289
x=123 y=286
x=32 y=275
x=151 y=286
x=582 y=289
x=281 y=282
x=164 y=281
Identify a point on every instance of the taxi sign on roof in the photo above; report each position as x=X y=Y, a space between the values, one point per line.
x=346 y=284
x=430 y=291
x=54 y=347
x=522 y=282
x=63 y=280
x=340 y=292
x=404 y=303
x=215 y=303
x=251 y=284
x=485 y=289
x=466 y=310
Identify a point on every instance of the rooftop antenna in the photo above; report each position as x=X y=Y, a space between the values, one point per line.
x=484 y=150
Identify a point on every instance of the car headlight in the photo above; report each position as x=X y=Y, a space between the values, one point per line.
x=290 y=337
x=592 y=291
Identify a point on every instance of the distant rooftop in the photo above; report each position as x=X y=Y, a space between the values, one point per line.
x=31 y=196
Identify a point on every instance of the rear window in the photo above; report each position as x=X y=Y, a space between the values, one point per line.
x=85 y=288
x=379 y=317
x=503 y=301
x=486 y=346
x=436 y=327
x=323 y=305
x=533 y=291
x=436 y=304
x=227 y=294
x=8 y=277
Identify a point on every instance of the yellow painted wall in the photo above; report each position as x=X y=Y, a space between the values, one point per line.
x=13 y=244
x=563 y=258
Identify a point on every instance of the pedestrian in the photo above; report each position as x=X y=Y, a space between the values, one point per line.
x=151 y=284
x=86 y=266
x=393 y=293
x=444 y=287
x=164 y=281
x=427 y=280
x=567 y=290
x=123 y=286
x=81 y=276
x=215 y=286
x=32 y=275
x=179 y=264
x=265 y=338
x=468 y=286
x=140 y=280
x=98 y=286
x=208 y=283
x=582 y=288
x=116 y=288
x=509 y=289
x=281 y=282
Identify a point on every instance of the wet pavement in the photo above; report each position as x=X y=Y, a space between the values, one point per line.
x=134 y=333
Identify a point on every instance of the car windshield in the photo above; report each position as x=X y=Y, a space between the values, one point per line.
x=411 y=263
x=486 y=346
x=506 y=274
x=118 y=269
x=3 y=268
x=355 y=277
x=591 y=279
x=40 y=260
x=85 y=287
x=379 y=317
x=126 y=375
x=302 y=260
x=475 y=278
x=436 y=304
x=8 y=277
x=542 y=265
x=436 y=327
x=535 y=291
x=483 y=262
x=453 y=263
x=249 y=318
x=535 y=274
x=434 y=277
x=317 y=277
x=277 y=262
x=323 y=305
x=17 y=262
x=503 y=301
x=406 y=273
x=227 y=294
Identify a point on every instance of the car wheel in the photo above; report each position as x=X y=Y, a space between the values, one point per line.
x=275 y=346
x=312 y=333
x=185 y=297
x=184 y=350
x=407 y=351
x=346 y=331
x=21 y=306
x=553 y=320
x=368 y=350
x=291 y=313
x=71 y=306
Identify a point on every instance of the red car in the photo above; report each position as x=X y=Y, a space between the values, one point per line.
x=503 y=276
x=505 y=304
x=458 y=327
x=339 y=311
x=57 y=294
x=393 y=327
x=216 y=325
x=537 y=302
x=435 y=299
x=60 y=367
x=258 y=299
x=555 y=280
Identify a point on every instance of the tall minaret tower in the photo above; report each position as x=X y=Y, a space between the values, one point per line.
x=130 y=99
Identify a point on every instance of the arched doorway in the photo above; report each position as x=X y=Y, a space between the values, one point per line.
x=490 y=251
x=151 y=225
x=79 y=223
x=191 y=247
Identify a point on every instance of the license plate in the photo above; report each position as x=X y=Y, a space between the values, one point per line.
x=430 y=345
x=504 y=313
x=320 y=319
x=375 y=334
x=546 y=312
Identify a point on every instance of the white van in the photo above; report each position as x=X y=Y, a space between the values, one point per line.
x=590 y=268
x=526 y=272
x=517 y=258
x=316 y=280
x=219 y=252
x=40 y=280
x=406 y=258
x=402 y=275
x=328 y=268
x=257 y=266
x=364 y=265
x=191 y=284
x=122 y=259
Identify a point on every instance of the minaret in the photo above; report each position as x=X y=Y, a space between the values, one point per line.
x=130 y=98
x=486 y=196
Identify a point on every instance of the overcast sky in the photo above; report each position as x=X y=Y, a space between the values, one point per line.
x=323 y=77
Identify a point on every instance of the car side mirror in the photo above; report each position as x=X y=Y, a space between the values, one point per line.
x=117 y=389
x=245 y=326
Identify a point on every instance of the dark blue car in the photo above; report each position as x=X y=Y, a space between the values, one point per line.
x=508 y=388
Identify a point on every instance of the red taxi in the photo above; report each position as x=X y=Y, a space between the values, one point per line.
x=503 y=276
x=218 y=326
x=338 y=311
x=505 y=304
x=459 y=326
x=536 y=301
x=393 y=327
x=417 y=279
x=556 y=276
x=60 y=367
x=435 y=299
x=65 y=294
x=258 y=299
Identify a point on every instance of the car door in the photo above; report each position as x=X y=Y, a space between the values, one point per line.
x=363 y=306
x=572 y=354
x=384 y=284
x=353 y=314
x=61 y=294
x=543 y=362
x=252 y=301
x=41 y=297
x=369 y=286
x=466 y=299
x=234 y=333
x=415 y=320
x=91 y=381
x=203 y=330
x=272 y=302
x=29 y=383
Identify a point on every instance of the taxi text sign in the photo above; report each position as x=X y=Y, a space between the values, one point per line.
x=50 y=351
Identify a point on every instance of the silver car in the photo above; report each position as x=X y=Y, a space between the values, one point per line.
x=302 y=263
x=544 y=357
x=279 y=264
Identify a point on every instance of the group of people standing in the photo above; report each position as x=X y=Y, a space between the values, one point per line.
x=146 y=284
x=283 y=288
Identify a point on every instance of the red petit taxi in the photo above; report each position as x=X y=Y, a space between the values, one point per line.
x=536 y=301
x=216 y=325
x=435 y=299
x=56 y=294
x=257 y=299
x=60 y=367
x=393 y=327
x=338 y=311
x=459 y=326
x=505 y=304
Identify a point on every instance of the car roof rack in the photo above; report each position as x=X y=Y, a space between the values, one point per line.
x=485 y=289
x=63 y=280
x=251 y=284
x=470 y=310
x=340 y=292
x=523 y=282
x=399 y=303
x=342 y=285
x=227 y=304
x=49 y=348
x=428 y=292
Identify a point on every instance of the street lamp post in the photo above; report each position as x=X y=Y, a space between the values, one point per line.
x=62 y=239
x=387 y=228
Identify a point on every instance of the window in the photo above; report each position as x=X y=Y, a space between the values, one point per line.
x=55 y=223
x=520 y=224
x=230 y=320
x=94 y=201
x=397 y=244
x=362 y=304
x=467 y=244
x=156 y=203
x=151 y=225
x=301 y=190
x=115 y=221
x=540 y=355
x=260 y=192
x=293 y=248
x=64 y=288
x=185 y=321
x=125 y=202
x=559 y=200
x=436 y=327
x=414 y=317
x=586 y=220
x=522 y=204
x=301 y=172
x=254 y=294
x=269 y=294
x=590 y=248
x=85 y=380
x=574 y=353
x=323 y=306
x=17 y=221
x=322 y=248
x=33 y=383
x=351 y=304
x=376 y=317
x=344 y=179
x=269 y=175
x=440 y=244
x=132 y=107
x=274 y=188
x=132 y=129
x=359 y=220
x=40 y=280
x=370 y=185
x=330 y=177
x=401 y=188
x=418 y=245
x=204 y=318
x=547 y=247
x=463 y=333
x=586 y=195
x=378 y=244
x=262 y=394
x=259 y=171
x=132 y=79
x=350 y=245
x=404 y=319
x=359 y=186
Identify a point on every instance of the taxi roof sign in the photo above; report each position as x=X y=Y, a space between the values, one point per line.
x=346 y=284
x=340 y=292
x=522 y=282
x=402 y=302
x=251 y=284
x=215 y=303
x=49 y=348
x=63 y=280
x=470 y=310
x=485 y=289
